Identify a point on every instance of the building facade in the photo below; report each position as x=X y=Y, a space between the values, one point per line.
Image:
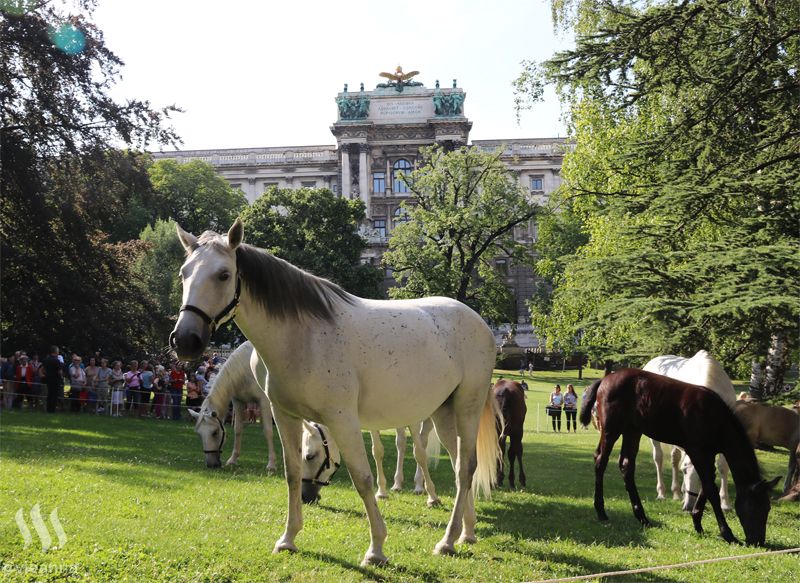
x=378 y=137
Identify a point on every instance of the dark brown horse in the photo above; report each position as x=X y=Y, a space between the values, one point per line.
x=633 y=402
x=511 y=400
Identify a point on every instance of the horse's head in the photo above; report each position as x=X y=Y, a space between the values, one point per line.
x=321 y=459
x=691 y=483
x=212 y=434
x=211 y=287
x=752 y=508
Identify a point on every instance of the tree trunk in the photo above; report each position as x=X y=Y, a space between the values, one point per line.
x=756 y=380
x=776 y=365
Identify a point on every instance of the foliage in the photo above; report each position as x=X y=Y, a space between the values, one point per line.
x=195 y=196
x=158 y=266
x=685 y=175
x=465 y=209
x=317 y=231
x=65 y=280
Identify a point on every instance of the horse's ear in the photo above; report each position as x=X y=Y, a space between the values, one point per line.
x=764 y=485
x=236 y=234
x=194 y=413
x=308 y=427
x=188 y=240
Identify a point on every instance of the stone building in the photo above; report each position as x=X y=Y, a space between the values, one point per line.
x=378 y=136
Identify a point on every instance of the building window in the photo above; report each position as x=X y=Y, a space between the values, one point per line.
x=236 y=185
x=268 y=185
x=502 y=267
x=380 y=227
x=378 y=182
x=399 y=169
x=401 y=215
x=537 y=183
x=335 y=188
x=308 y=183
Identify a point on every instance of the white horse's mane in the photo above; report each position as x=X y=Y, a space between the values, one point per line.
x=234 y=376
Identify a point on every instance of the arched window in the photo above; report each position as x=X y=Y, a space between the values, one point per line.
x=401 y=216
x=400 y=168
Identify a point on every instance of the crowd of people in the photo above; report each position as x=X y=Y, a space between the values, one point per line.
x=157 y=388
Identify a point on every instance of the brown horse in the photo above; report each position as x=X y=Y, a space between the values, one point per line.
x=511 y=400
x=769 y=425
x=633 y=402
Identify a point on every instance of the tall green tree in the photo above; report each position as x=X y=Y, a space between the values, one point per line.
x=195 y=196
x=158 y=266
x=685 y=175
x=65 y=280
x=317 y=231
x=466 y=205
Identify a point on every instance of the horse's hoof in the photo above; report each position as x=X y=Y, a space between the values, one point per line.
x=467 y=540
x=397 y=488
x=443 y=548
x=646 y=523
x=272 y=469
x=372 y=559
x=381 y=496
x=661 y=497
x=284 y=546
x=676 y=496
x=419 y=492
x=726 y=508
x=435 y=503
x=230 y=462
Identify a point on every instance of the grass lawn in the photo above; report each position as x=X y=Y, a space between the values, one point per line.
x=137 y=504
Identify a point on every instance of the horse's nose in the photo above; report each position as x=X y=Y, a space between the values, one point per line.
x=310 y=493
x=188 y=345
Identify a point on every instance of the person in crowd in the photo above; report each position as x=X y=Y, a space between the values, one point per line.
x=147 y=376
x=200 y=377
x=158 y=408
x=211 y=375
x=193 y=396
x=177 y=379
x=8 y=373
x=133 y=383
x=36 y=390
x=77 y=384
x=91 y=382
x=23 y=377
x=554 y=408
x=571 y=408
x=53 y=378
x=102 y=385
x=117 y=382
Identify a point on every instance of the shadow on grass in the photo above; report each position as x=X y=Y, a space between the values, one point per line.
x=389 y=572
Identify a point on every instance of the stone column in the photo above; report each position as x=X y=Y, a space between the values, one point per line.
x=389 y=185
x=344 y=187
x=363 y=175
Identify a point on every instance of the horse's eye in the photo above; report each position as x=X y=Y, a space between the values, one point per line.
x=224 y=276
x=215 y=433
x=310 y=456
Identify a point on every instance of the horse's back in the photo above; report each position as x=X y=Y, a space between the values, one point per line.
x=702 y=370
x=768 y=424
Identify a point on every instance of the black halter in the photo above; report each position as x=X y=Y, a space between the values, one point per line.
x=221 y=443
x=326 y=463
x=213 y=323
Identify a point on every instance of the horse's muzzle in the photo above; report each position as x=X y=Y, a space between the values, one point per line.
x=190 y=337
x=310 y=493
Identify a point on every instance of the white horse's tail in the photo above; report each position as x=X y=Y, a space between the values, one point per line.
x=434 y=448
x=488 y=447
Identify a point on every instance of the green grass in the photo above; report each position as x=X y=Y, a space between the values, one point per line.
x=138 y=504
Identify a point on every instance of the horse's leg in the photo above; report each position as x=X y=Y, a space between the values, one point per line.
x=467 y=412
x=266 y=427
x=519 y=459
x=422 y=462
x=347 y=434
x=658 y=459
x=512 y=454
x=604 y=447
x=377 y=455
x=675 y=455
x=238 y=426
x=794 y=454
x=722 y=466
x=400 y=444
x=501 y=461
x=424 y=433
x=627 y=465
x=704 y=465
x=290 y=430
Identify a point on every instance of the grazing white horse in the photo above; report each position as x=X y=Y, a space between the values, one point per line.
x=240 y=383
x=236 y=382
x=705 y=371
x=349 y=363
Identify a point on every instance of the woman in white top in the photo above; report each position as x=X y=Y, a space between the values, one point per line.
x=571 y=408
x=554 y=408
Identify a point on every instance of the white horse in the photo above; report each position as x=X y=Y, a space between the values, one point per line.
x=349 y=363
x=236 y=382
x=705 y=371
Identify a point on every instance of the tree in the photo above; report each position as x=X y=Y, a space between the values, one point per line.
x=195 y=196
x=465 y=209
x=64 y=279
x=159 y=265
x=685 y=175
x=317 y=231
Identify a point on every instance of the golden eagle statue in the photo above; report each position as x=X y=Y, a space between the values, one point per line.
x=399 y=77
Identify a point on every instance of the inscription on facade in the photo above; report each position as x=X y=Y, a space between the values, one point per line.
x=395 y=110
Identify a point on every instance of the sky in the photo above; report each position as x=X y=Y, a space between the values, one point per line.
x=266 y=73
